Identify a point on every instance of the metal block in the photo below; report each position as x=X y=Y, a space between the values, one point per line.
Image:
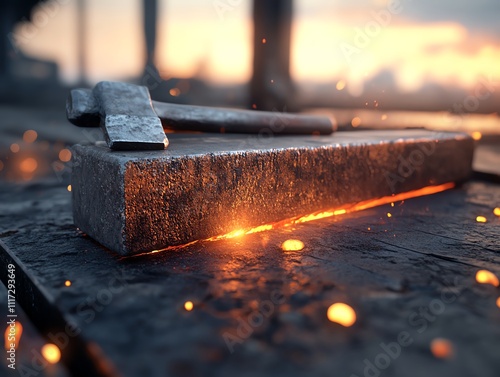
x=139 y=201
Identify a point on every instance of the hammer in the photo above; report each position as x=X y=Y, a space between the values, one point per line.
x=131 y=121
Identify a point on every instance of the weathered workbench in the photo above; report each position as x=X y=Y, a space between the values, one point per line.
x=259 y=310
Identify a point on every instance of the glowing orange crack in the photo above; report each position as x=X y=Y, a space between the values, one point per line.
x=348 y=208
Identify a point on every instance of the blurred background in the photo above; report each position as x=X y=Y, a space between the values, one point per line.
x=367 y=63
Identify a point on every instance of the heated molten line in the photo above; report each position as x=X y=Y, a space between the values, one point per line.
x=342 y=314
x=348 y=208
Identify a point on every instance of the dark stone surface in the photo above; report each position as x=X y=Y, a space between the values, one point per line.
x=131 y=309
x=202 y=186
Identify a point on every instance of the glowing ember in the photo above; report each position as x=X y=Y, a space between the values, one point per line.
x=65 y=155
x=481 y=219
x=392 y=204
x=67 y=283
x=342 y=314
x=355 y=122
x=476 y=135
x=496 y=211
x=292 y=245
x=28 y=165
x=340 y=85
x=14 y=148
x=348 y=208
x=264 y=41
x=12 y=335
x=175 y=92
x=51 y=353
x=188 y=305
x=441 y=348
x=389 y=214
x=487 y=277
x=30 y=136
x=69 y=188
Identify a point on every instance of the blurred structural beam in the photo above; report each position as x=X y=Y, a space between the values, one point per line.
x=82 y=41
x=271 y=86
x=150 y=23
x=6 y=23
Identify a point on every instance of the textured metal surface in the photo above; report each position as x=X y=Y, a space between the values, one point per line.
x=202 y=187
x=82 y=109
x=127 y=117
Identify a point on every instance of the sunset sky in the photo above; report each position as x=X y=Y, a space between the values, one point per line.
x=444 y=42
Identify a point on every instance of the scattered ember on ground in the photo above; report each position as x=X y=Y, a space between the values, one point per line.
x=342 y=314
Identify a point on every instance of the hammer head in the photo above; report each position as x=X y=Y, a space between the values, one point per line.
x=126 y=115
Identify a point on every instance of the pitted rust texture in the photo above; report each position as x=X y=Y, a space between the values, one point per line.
x=98 y=200
x=172 y=198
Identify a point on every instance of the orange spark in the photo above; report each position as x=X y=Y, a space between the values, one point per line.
x=340 y=85
x=188 y=305
x=264 y=41
x=67 y=283
x=356 y=121
x=69 y=188
x=175 y=92
x=498 y=302
x=481 y=219
x=476 y=135
x=28 y=165
x=65 y=155
x=487 y=277
x=51 y=353
x=30 y=136
x=496 y=211
x=441 y=348
x=342 y=314
x=292 y=245
x=389 y=214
